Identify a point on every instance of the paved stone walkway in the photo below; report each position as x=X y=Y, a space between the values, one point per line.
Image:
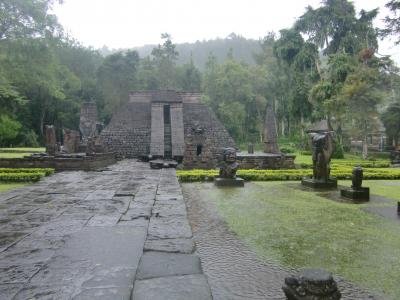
x=121 y=233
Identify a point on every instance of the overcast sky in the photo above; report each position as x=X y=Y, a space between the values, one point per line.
x=131 y=23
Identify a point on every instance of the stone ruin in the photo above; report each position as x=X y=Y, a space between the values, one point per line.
x=270 y=132
x=51 y=139
x=88 y=124
x=167 y=125
x=72 y=139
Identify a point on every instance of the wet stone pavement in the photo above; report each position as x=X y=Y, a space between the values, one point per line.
x=122 y=233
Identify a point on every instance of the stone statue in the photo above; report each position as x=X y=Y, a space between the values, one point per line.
x=357 y=178
x=51 y=141
x=311 y=284
x=228 y=166
x=356 y=191
x=323 y=147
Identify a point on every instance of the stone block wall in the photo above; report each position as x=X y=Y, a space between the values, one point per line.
x=205 y=136
x=128 y=133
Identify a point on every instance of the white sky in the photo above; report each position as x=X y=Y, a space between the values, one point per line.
x=131 y=23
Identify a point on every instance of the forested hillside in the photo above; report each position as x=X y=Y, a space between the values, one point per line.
x=325 y=66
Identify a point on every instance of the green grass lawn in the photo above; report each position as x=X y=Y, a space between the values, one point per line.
x=9 y=186
x=297 y=228
x=385 y=188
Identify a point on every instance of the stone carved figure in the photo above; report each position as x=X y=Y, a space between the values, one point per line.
x=323 y=147
x=51 y=141
x=228 y=166
x=357 y=178
x=311 y=284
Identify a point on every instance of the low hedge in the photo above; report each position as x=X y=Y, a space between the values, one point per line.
x=46 y=171
x=21 y=177
x=292 y=174
x=352 y=163
x=23 y=174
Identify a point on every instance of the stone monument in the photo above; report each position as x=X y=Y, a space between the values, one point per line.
x=227 y=170
x=323 y=146
x=71 y=140
x=88 y=125
x=356 y=192
x=311 y=284
x=270 y=132
x=250 y=148
x=51 y=141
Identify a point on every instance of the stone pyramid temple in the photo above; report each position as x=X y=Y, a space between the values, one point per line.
x=167 y=124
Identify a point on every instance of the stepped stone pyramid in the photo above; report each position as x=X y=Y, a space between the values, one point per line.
x=167 y=124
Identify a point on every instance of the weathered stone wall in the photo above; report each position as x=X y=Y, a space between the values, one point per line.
x=86 y=163
x=203 y=133
x=128 y=133
x=262 y=161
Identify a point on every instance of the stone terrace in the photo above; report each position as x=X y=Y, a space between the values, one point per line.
x=121 y=233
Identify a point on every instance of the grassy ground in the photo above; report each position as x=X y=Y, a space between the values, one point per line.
x=9 y=186
x=298 y=229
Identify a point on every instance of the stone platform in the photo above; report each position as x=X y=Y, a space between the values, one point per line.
x=361 y=194
x=319 y=184
x=122 y=233
x=68 y=162
x=261 y=160
x=228 y=182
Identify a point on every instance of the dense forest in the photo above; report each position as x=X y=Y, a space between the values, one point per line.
x=325 y=66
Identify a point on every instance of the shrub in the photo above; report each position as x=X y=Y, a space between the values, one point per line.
x=339 y=152
x=287 y=149
x=340 y=172
x=46 y=171
x=20 y=177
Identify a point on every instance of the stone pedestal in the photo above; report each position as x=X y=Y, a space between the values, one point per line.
x=358 y=194
x=311 y=284
x=232 y=182
x=319 y=184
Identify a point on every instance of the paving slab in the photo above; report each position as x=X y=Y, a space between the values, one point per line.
x=159 y=264
x=193 y=287
x=170 y=245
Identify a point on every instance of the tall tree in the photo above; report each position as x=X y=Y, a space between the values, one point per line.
x=392 y=21
x=165 y=57
x=27 y=18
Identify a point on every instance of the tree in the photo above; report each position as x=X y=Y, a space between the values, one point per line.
x=392 y=22
x=165 y=57
x=9 y=129
x=391 y=120
x=27 y=18
x=361 y=93
x=116 y=77
x=189 y=77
